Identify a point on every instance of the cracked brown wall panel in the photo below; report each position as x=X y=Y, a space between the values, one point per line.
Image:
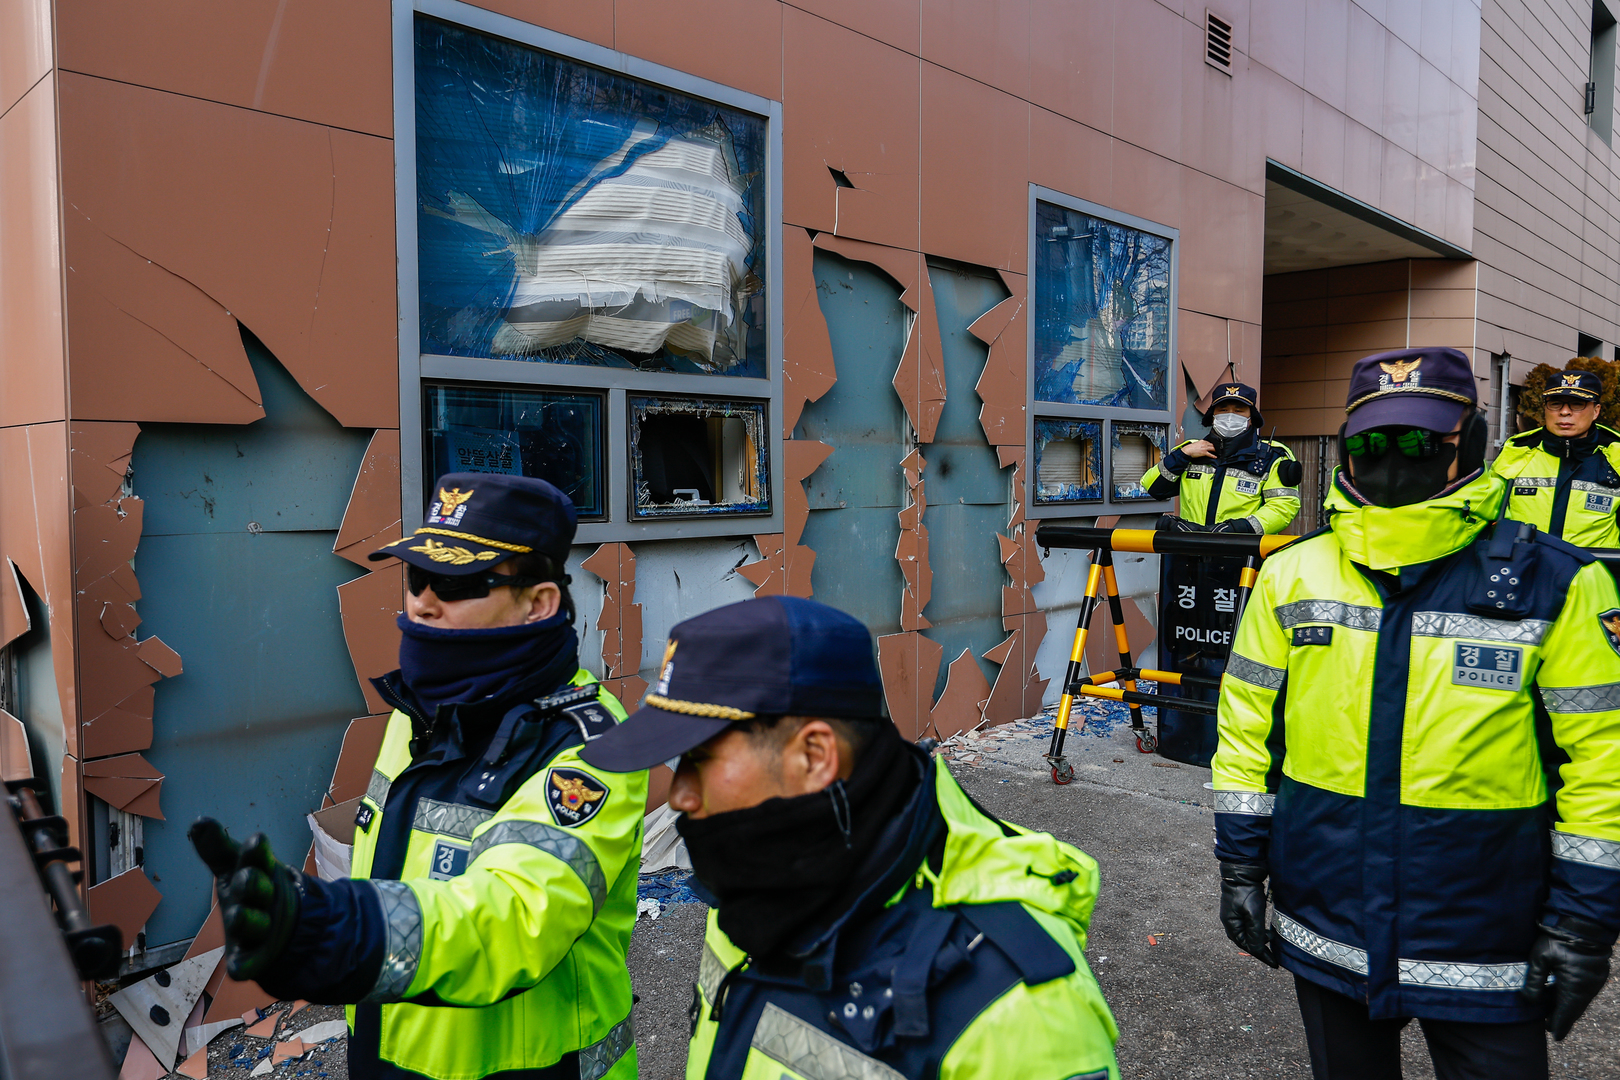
x=181 y=350
x=909 y=665
x=372 y=517
x=962 y=703
x=286 y=225
x=370 y=607
x=974 y=155
x=619 y=622
x=1203 y=345
x=116 y=672
x=911 y=550
x=330 y=63
x=808 y=368
x=36 y=535
x=1003 y=385
x=32 y=385
x=735 y=42
x=853 y=108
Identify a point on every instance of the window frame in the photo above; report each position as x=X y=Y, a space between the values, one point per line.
x=415 y=367
x=1106 y=415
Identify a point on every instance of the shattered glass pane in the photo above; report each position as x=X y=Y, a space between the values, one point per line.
x=572 y=215
x=554 y=435
x=1068 y=461
x=1102 y=312
x=1136 y=449
x=698 y=456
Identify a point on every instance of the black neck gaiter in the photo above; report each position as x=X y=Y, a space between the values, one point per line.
x=775 y=867
x=1581 y=446
x=450 y=667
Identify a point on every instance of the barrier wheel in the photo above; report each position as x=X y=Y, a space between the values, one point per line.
x=1146 y=743
x=1062 y=776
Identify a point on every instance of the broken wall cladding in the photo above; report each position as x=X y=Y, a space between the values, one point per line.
x=1068 y=481
x=969 y=493
x=856 y=494
x=238 y=571
x=677 y=579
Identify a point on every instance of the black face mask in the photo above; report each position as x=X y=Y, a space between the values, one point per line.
x=1396 y=480
x=774 y=868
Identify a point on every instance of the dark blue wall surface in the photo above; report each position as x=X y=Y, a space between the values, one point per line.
x=237 y=575
x=857 y=492
x=967 y=490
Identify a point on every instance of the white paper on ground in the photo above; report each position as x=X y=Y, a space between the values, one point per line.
x=319 y=1033
x=170 y=994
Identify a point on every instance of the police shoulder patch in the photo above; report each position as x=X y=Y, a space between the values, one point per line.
x=1610 y=621
x=574 y=796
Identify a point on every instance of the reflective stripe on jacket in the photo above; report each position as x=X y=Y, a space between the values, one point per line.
x=1010 y=994
x=1426 y=782
x=508 y=928
x=1584 y=508
x=1247 y=486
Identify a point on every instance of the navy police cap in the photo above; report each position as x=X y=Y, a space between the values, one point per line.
x=1581 y=386
x=771 y=656
x=1242 y=393
x=1428 y=388
x=477 y=520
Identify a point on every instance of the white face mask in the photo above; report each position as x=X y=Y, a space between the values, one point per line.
x=1230 y=425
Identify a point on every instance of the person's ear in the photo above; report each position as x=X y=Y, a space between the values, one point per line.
x=813 y=758
x=545 y=600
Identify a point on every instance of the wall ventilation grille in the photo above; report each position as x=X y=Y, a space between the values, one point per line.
x=1218 y=42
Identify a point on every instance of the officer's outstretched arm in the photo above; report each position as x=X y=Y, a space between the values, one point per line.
x=1280 y=499
x=1579 y=682
x=1245 y=763
x=539 y=874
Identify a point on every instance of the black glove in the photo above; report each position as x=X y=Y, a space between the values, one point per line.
x=258 y=897
x=1235 y=525
x=1172 y=523
x=1243 y=910
x=1570 y=953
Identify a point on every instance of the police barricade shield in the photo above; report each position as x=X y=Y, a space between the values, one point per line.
x=1197 y=618
x=1220 y=569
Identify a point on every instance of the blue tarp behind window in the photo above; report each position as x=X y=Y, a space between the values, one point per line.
x=1102 y=312
x=572 y=215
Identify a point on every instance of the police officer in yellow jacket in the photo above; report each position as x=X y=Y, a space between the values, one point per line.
x=484 y=932
x=1564 y=477
x=869 y=919
x=1233 y=481
x=1420 y=748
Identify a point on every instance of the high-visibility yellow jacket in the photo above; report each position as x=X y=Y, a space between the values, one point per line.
x=974 y=972
x=1241 y=485
x=1574 y=498
x=1420 y=736
x=508 y=921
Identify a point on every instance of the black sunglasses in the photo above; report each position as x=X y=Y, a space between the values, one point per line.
x=463 y=586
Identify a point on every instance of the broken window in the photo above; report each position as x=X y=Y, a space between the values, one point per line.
x=1102 y=314
x=572 y=215
x=1102 y=339
x=698 y=456
x=554 y=435
x=1068 y=461
x=1136 y=449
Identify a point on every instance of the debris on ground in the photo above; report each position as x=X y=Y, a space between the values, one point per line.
x=666 y=887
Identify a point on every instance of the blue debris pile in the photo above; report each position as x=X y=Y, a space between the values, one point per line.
x=667 y=887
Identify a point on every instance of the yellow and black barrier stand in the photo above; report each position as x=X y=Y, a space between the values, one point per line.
x=1100 y=581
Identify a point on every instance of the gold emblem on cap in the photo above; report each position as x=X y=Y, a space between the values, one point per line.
x=449 y=553
x=1234 y=391
x=449 y=500
x=1572 y=380
x=1398 y=370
